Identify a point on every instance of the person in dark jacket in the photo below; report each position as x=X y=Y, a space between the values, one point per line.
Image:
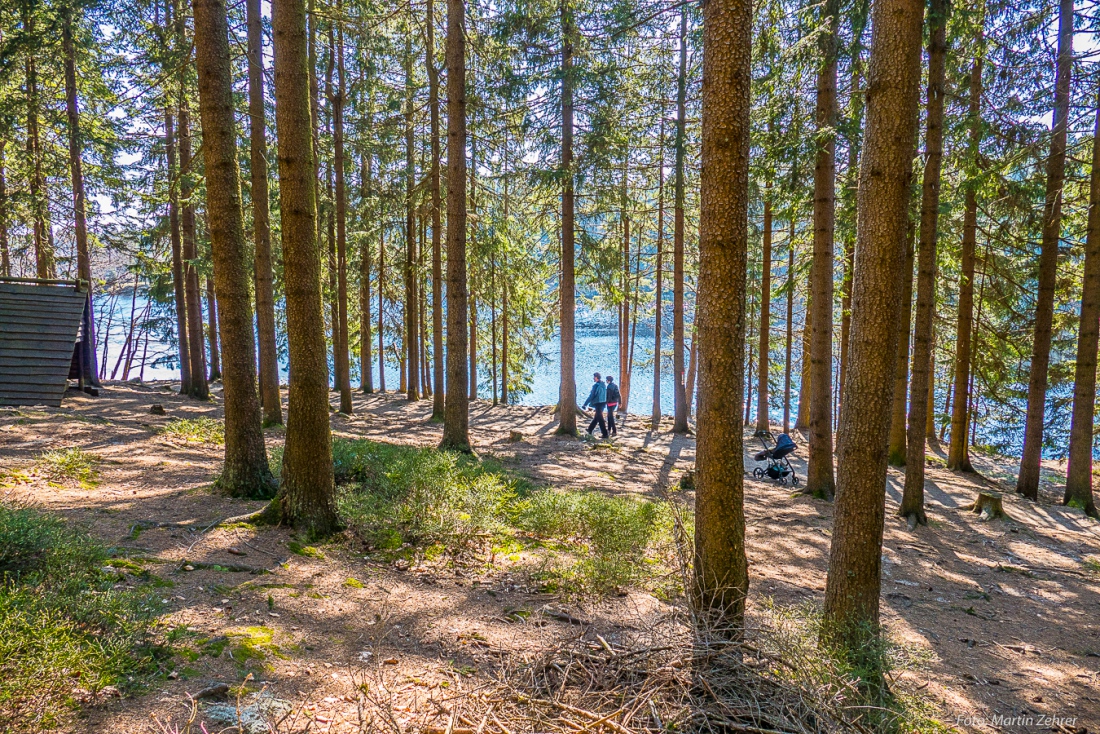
x=613 y=400
x=597 y=398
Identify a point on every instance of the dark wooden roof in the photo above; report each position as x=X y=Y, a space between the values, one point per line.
x=39 y=327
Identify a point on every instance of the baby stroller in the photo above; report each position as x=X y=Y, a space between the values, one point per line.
x=779 y=466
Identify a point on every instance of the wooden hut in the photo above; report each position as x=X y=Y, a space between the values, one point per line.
x=45 y=340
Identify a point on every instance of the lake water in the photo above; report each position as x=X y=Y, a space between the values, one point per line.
x=596 y=351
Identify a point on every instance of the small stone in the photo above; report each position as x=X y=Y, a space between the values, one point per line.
x=188 y=567
x=173 y=675
x=234 y=551
x=157 y=409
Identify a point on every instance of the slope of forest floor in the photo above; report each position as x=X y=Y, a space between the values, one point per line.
x=1005 y=613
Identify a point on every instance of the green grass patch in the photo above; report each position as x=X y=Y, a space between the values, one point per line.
x=860 y=684
x=425 y=503
x=70 y=465
x=1092 y=564
x=65 y=628
x=195 y=430
x=308 y=551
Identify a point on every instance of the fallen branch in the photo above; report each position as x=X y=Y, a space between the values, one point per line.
x=267 y=513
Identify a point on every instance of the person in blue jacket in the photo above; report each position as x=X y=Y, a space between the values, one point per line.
x=597 y=398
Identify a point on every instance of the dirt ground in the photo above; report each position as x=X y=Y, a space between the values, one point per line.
x=1008 y=611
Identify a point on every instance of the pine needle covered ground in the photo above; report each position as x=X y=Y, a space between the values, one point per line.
x=538 y=587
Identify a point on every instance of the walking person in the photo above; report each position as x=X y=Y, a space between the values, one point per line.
x=597 y=398
x=613 y=400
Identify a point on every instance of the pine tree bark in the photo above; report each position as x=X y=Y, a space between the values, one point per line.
x=381 y=280
x=199 y=387
x=1030 y=463
x=342 y=361
x=790 y=330
x=261 y=221
x=184 y=347
x=958 y=455
x=802 y=418
x=212 y=329
x=854 y=582
x=438 y=396
x=1079 y=472
x=5 y=252
x=412 y=300
x=855 y=140
x=456 y=423
x=366 y=359
x=567 y=390
x=819 y=473
x=721 y=567
x=44 y=257
x=680 y=397
x=76 y=168
x=763 y=423
x=658 y=291
x=912 y=501
x=895 y=451
x=246 y=472
x=306 y=494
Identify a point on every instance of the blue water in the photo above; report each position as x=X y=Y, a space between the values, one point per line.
x=596 y=351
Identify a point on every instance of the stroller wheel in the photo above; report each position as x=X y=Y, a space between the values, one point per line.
x=758 y=473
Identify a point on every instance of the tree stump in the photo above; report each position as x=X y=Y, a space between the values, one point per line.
x=988 y=505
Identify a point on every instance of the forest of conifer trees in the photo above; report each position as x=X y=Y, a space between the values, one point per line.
x=873 y=225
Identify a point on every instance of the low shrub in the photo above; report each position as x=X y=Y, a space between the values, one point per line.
x=73 y=465
x=396 y=497
x=195 y=430
x=66 y=632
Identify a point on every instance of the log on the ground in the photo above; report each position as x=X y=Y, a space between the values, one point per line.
x=988 y=505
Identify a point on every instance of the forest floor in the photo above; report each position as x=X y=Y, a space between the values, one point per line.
x=1006 y=612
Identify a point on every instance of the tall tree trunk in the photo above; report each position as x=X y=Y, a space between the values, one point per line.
x=721 y=568
x=412 y=341
x=1079 y=472
x=199 y=387
x=246 y=472
x=44 y=258
x=473 y=341
x=306 y=493
x=958 y=456
x=895 y=451
x=567 y=390
x=456 y=423
x=438 y=397
x=381 y=280
x=693 y=363
x=504 y=295
x=763 y=422
x=178 y=276
x=366 y=359
x=212 y=328
x=624 y=337
x=5 y=252
x=1030 y=462
x=912 y=501
x=790 y=329
x=658 y=290
x=802 y=420
x=681 y=398
x=342 y=361
x=819 y=472
x=80 y=225
x=851 y=175
x=261 y=221
x=853 y=585
x=493 y=322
